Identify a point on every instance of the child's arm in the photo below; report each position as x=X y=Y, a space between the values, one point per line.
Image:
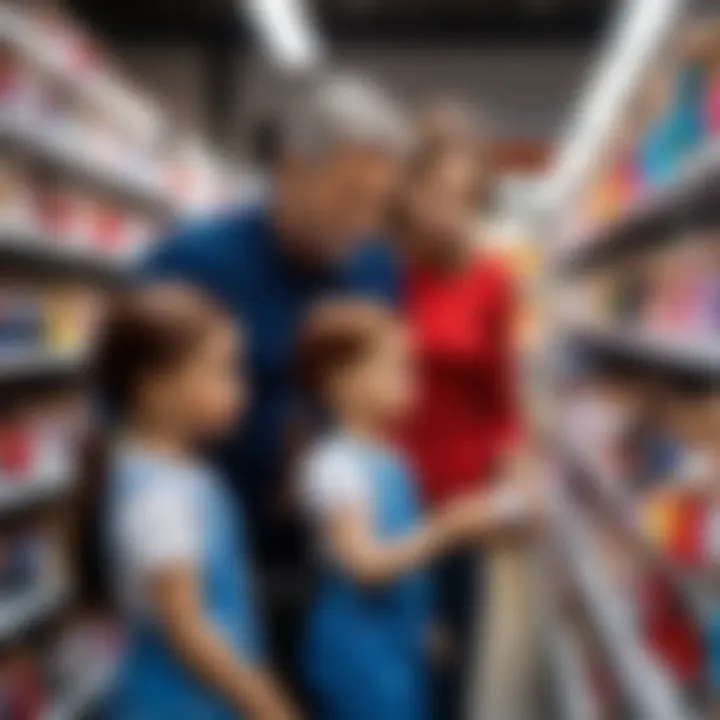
x=371 y=560
x=174 y=596
x=161 y=530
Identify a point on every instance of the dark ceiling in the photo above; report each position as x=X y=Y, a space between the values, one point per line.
x=390 y=21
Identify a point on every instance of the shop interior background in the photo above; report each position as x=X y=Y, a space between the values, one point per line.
x=118 y=118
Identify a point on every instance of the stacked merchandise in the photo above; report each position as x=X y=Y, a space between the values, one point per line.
x=639 y=303
x=89 y=174
x=652 y=448
x=667 y=129
x=37 y=446
x=669 y=297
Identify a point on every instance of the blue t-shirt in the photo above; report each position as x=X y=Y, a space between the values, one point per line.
x=237 y=258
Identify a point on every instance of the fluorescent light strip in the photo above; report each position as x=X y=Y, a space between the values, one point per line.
x=640 y=28
x=286 y=32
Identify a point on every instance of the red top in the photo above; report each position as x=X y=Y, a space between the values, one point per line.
x=461 y=325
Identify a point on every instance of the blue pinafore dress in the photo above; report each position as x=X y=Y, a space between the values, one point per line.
x=153 y=683
x=364 y=649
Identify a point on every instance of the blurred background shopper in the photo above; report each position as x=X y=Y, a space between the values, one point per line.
x=460 y=307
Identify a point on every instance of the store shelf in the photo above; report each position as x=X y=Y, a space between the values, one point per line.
x=691 y=201
x=616 y=502
x=649 y=691
x=74 y=159
x=29 y=365
x=19 y=494
x=24 y=611
x=80 y=702
x=96 y=87
x=697 y=357
x=26 y=249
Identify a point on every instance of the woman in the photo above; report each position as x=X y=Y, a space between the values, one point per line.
x=460 y=307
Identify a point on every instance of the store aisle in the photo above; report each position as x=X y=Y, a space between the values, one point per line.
x=540 y=405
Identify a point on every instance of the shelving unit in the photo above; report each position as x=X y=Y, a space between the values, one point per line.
x=24 y=248
x=19 y=494
x=613 y=501
x=67 y=167
x=21 y=613
x=69 y=156
x=81 y=701
x=649 y=691
x=697 y=357
x=30 y=365
x=596 y=337
x=98 y=89
x=692 y=198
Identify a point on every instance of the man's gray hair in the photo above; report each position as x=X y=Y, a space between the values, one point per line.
x=345 y=111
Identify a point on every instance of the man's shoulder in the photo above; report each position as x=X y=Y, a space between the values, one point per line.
x=205 y=248
x=230 y=229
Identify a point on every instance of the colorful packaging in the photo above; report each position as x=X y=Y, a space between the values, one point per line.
x=16 y=451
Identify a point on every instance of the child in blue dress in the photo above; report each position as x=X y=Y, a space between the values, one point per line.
x=166 y=370
x=365 y=651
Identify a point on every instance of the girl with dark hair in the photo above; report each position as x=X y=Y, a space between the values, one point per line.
x=166 y=371
x=365 y=649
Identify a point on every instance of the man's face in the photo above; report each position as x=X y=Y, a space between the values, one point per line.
x=342 y=199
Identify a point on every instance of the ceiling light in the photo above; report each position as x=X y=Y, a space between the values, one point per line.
x=286 y=32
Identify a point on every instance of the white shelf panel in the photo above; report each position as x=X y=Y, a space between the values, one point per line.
x=72 y=157
x=78 y=701
x=97 y=88
x=31 y=247
x=690 y=354
x=19 y=494
x=20 y=612
x=617 y=500
x=25 y=365
x=650 y=690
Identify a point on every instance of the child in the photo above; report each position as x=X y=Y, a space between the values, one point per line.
x=363 y=654
x=166 y=371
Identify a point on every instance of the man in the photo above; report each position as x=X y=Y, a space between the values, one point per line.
x=336 y=169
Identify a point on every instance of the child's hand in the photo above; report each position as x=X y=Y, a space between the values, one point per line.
x=508 y=508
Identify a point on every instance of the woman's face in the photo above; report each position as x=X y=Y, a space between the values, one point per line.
x=441 y=201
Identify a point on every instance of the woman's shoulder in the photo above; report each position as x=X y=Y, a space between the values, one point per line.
x=491 y=267
x=493 y=279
